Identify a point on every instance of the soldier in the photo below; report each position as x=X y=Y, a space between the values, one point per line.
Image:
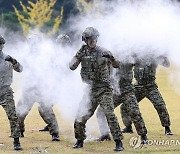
x=128 y=100
x=145 y=86
x=63 y=40
x=32 y=94
x=95 y=63
x=7 y=64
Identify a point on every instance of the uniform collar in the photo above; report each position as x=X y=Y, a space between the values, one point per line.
x=92 y=50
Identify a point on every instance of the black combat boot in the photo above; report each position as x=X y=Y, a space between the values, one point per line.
x=45 y=129
x=104 y=138
x=127 y=129
x=144 y=139
x=78 y=144
x=17 y=145
x=11 y=136
x=168 y=130
x=119 y=145
x=55 y=137
x=21 y=134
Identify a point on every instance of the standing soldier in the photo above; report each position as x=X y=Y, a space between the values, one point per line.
x=95 y=63
x=145 y=75
x=128 y=100
x=31 y=94
x=7 y=64
x=64 y=41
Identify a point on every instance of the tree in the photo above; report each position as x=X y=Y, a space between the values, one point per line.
x=9 y=20
x=36 y=15
x=87 y=7
x=83 y=6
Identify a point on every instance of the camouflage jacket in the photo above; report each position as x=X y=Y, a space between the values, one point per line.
x=145 y=69
x=125 y=77
x=6 y=71
x=94 y=67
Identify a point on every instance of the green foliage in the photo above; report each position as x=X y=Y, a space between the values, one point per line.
x=10 y=21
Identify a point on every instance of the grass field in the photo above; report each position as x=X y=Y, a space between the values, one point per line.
x=34 y=139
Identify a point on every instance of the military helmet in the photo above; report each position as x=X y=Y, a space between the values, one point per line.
x=35 y=37
x=63 y=39
x=2 y=40
x=90 y=32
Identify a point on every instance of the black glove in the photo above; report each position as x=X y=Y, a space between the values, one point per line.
x=163 y=61
x=11 y=60
x=108 y=55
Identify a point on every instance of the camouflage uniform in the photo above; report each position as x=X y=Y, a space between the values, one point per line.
x=63 y=40
x=32 y=94
x=145 y=75
x=95 y=72
x=128 y=100
x=6 y=93
x=29 y=97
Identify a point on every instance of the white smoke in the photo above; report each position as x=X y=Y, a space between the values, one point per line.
x=124 y=26
x=46 y=67
x=142 y=26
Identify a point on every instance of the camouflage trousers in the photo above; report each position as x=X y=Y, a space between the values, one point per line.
x=7 y=102
x=152 y=93
x=129 y=103
x=45 y=110
x=103 y=97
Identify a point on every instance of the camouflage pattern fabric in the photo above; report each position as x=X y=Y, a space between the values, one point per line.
x=102 y=97
x=6 y=93
x=29 y=97
x=152 y=93
x=6 y=70
x=146 y=87
x=95 y=72
x=127 y=99
x=7 y=102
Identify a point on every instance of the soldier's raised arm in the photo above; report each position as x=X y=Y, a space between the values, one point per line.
x=164 y=61
x=76 y=59
x=15 y=64
x=115 y=63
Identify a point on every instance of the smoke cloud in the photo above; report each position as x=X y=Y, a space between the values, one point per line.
x=125 y=27
x=143 y=27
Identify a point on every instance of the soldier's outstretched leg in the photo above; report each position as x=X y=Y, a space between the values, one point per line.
x=156 y=98
x=126 y=118
x=106 y=102
x=102 y=121
x=80 y=123
x=140 y=94
x=132 y=107
x=9 y=106
x=23 y=107
x=47 y=114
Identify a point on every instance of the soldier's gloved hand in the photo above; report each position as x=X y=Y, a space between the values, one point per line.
x=11 y=60
x=163 y=60
x=108 y=55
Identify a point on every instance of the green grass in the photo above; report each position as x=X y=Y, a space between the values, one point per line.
x=33 y=138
